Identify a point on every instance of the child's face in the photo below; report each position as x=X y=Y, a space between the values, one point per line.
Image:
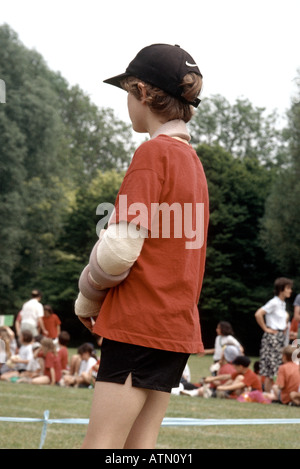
x=239 y=369
x=85 y=356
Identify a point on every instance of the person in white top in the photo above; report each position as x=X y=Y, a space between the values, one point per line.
x=31 y=315
x=225 y=336
x=273 y=319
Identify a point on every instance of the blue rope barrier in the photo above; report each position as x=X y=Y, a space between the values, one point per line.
x=167 y=422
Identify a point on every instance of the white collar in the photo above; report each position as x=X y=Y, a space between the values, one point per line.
x=174 y=128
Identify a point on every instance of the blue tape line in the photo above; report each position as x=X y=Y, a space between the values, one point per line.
x=166 y=422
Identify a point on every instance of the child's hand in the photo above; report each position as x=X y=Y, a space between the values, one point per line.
x=88 y=322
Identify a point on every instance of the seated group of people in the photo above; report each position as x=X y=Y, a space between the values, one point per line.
x=235 y=380
x=42 y=360
x=231 y=376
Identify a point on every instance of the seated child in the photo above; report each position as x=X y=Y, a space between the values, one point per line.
x=243 y=379
x=288 y=379
x=51 y=365
x=17 y=364
x=62 y=351
x=85 y=360
x=230 y=352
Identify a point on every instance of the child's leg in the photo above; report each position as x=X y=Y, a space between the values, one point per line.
x=41 y=380
x=295 y=397
x=9 y=374
x=115 y=409
x=75 y=364
x=145 y=430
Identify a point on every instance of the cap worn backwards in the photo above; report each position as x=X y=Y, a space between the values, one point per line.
x=163 y=66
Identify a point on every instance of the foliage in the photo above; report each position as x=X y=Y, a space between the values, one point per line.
x=61 y=156
x=281 y=223
x=52 y=142
x=237 y=273
x=241 y=129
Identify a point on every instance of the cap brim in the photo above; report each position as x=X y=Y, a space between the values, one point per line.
x=116 y=81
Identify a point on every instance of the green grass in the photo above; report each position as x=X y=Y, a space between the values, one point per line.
x=23 y=400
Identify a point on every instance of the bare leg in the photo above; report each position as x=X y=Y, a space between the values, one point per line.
x=123 y=416
x=295 y=397
x=268 y=384
x=41 y=380
x=115 y=408
x=145 y=430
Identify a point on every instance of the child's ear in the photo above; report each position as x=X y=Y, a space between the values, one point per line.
x=143 y=92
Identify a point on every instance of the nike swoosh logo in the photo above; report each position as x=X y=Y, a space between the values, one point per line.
x=190 y=65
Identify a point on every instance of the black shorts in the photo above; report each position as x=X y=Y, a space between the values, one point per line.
x=150 y=368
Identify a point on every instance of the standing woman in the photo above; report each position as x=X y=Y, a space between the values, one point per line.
x=149 y=321
x=273 y=319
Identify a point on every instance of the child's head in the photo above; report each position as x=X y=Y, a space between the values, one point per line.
x=86 y=350
x=48 y=345
x=230 y=353
x=48 y=310
x=168 y=79
x=64 y=338
x=4 y=334
x=287 y=353
x=26 y=337
x=241 y=363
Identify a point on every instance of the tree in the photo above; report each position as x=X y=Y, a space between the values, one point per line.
x=237 y=275
x=52 y=140
x=280 y=230
x=241 y=129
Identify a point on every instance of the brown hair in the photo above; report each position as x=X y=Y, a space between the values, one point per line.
x=48 y=344
x=163 y=103
x=280 y=284
x=288 y=352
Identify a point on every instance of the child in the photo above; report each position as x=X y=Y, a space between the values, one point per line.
x=229 y=354
x=242 y=380
x=86 y=360
x=17 y=364
x=288 y=378
x=155 y=248
x=62 y=350
x=8 y=347
x=52 y=370
x=51 y=322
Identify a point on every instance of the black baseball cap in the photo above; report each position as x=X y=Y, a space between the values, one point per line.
x=163 y=66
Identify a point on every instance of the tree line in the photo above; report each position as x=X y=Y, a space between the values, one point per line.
x=61 y=156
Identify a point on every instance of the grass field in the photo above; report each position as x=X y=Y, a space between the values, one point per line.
x=25 y=400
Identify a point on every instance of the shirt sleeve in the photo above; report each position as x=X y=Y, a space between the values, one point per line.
x=297 y=301
x=269 y=306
